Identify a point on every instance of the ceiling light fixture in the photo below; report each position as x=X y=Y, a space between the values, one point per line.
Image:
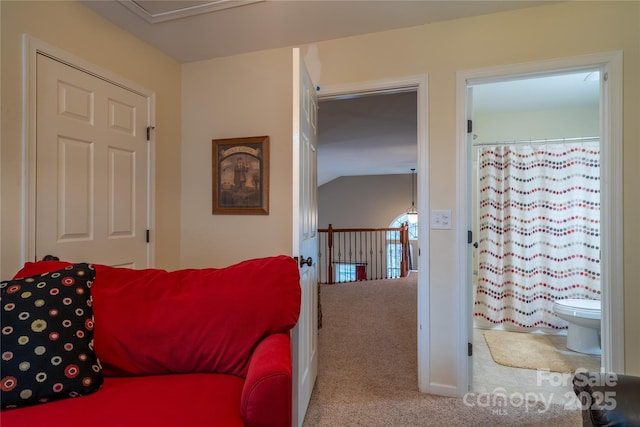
x=412 y=212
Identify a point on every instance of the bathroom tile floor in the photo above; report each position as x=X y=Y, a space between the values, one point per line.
x=490 y=377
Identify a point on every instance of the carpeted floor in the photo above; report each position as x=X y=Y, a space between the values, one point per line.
x=367 y=374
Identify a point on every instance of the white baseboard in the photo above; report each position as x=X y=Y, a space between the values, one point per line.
x=443 y=390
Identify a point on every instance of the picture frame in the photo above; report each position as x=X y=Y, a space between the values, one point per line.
x=241 y=176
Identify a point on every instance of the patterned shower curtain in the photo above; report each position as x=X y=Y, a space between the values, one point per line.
x=539 y=232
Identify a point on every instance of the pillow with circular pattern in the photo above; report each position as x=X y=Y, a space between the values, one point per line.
x=47 y=337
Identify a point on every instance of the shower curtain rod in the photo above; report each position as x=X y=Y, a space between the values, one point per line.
x=540 y=141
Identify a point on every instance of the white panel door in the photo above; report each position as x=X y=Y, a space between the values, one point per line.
x=91 y=168
x=305 y=235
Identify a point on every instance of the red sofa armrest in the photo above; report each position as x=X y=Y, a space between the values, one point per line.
x=266 y=396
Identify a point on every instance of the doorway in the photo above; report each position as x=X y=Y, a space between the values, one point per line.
x=605 y=69
x=419 y=85
x=535 y=208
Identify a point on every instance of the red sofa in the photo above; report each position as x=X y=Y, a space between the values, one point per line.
x=196 y=347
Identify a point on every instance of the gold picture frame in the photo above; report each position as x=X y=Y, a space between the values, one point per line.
x=241 y=176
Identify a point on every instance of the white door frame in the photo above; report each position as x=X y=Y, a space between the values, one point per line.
x=420 y=84
x=611 y=200
x=31 y=48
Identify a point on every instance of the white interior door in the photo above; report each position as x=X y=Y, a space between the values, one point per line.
x=305 y=237
x=91 y=168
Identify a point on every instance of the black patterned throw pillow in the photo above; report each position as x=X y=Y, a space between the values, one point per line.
x=47 y=337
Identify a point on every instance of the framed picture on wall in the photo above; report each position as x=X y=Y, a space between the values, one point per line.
x=241 y=176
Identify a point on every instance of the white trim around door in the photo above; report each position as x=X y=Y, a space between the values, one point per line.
x=610 y=64
x=31 y=48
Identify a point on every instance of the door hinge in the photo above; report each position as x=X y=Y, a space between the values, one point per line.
x=469 y=349
x=469 y=126
x=148 y=235
x=149 y=129
x=469 y=236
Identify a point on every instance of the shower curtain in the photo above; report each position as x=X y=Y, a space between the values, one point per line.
x=539 y=237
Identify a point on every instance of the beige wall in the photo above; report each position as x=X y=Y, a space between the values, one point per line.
x=71 y=27
x=363 y=201
x=537 y=124
x=439 y=50
x=239 y=96
x=215 y=91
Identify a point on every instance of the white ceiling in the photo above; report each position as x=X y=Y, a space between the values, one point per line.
x=195 y=30
x=370 y=135
x=542 y=92
x=360 y=136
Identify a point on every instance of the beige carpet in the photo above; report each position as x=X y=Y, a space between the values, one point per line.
x=367 y=371
x=528 y=351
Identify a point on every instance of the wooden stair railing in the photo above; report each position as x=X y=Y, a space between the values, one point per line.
x=364 y=253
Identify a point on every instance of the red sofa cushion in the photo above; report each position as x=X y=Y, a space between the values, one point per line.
x=193 y=400
x=269 y=373
x=150 y=322
x=40 y=267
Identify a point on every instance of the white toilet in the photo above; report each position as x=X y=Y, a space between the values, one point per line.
x=583 y=316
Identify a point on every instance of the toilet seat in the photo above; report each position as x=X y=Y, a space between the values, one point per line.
x=585 y=308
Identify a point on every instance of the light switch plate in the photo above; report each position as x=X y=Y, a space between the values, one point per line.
x=441 y=219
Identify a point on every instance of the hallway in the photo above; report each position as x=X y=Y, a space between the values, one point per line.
x=367 y=373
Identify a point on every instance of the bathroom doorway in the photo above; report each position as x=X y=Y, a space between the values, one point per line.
x=535 y=109
x=535 y=179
